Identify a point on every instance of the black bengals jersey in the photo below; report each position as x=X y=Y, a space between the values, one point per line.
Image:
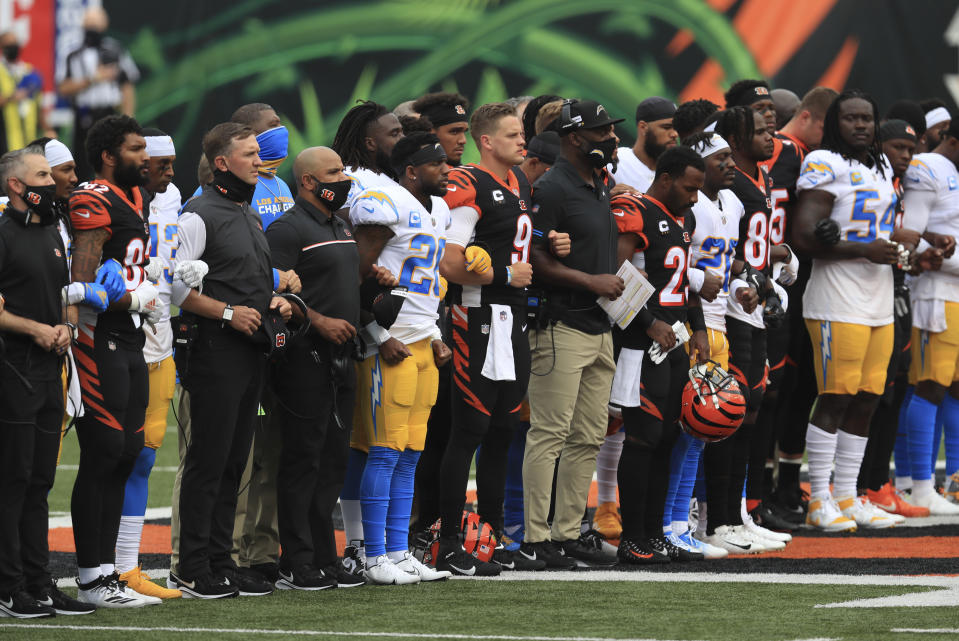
x=504 y=228
x=664 y=240
x=102 y=205
x=783 y=171
x=754 y=228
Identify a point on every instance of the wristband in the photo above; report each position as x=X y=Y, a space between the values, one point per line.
x=276 y=279
x=696 y=319
x=645 y=318
x=735 y=286
x=509 y=275
x=74 y=330
x=436 y=334
x=696 y=278
x=377 y=333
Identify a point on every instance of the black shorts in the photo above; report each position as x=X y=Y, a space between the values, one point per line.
x=660 y=395
x=478 y=400
x=747 y=359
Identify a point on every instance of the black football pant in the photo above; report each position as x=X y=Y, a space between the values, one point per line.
x=437 y=437
x=226 y=374
x=725 y=462
x=115 y=388
x=307 y=393
x=874 y=472
x=485 y=412
x=29 y=441
x=651 y=432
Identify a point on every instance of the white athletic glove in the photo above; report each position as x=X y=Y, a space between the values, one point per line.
x=783 y=296
x=657 y=354
x=154 y=269
x=790 y=269
x=191 y=272
x=143 y=297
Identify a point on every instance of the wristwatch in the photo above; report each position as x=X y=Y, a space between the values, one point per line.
x=227 y=314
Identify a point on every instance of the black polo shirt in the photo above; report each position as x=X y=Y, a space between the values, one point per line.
x=33 y=270
x=322 y=252
x=563 y=201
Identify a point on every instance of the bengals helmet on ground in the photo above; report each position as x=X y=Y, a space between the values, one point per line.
x=713 y=405
x=476 y=535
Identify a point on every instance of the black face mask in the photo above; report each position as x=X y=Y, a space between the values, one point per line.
x=92 y=38
x=11 y=52
x=334 y=194
x=42 y=200
x=230 y=185
x=599 y=153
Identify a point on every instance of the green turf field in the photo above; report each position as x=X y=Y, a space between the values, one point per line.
x=520 y=610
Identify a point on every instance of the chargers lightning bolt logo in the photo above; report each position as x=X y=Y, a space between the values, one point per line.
x=376 y=387
x=825 y=347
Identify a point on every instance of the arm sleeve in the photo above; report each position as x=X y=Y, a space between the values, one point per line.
x=548 y=212
x=462 y=223
x=284 y=245
x=192 y=233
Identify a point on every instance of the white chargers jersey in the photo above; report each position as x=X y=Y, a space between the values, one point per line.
x=854 y=290
x=631 y=171
x=932 y=203
x=363 y=179
x=164 y=209
x=413 y=254
x=714 y=246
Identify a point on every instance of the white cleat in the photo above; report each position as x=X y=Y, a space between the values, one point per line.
x=107 y=593
x=727 y=538
x=384 y=572
x=824 y=515
x=866 y=515
x=766 y=533
x=760 y=543
x=937 y=505
x=411 y=565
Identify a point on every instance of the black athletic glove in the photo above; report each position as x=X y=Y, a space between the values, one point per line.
x=828 y=231
x=755 y=278
x=773 y=312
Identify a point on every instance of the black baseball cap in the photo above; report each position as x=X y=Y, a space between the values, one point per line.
x=584 y=114
x=655 y=108
x=544 y=146
x=895 y=129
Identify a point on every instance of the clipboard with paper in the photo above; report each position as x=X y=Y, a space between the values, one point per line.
x=636 y=292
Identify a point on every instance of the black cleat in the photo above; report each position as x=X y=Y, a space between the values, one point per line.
x=548 y=552
x=632 y=552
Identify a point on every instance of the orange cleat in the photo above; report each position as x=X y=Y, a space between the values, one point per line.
x=607 y=521
x=888 y=499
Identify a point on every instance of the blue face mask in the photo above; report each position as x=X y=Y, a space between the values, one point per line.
x=274 y=145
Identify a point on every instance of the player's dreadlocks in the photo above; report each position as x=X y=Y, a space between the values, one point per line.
x=832 y=139
x=692 y=115
x=698 y=138
x=738 y=126
x=350 y=139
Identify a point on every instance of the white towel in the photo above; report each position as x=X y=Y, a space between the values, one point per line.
x=499 y=365
x=625 y=392
x=929 y=314
x=74 y=402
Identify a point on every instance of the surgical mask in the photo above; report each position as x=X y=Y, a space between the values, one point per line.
x=274 y=147
x=230 y=186
x=92 y=38
x=42 y=200
x=334 y=194
x=600 y=153
x=11 y=52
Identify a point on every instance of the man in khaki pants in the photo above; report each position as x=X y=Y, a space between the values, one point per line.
x=572 y=349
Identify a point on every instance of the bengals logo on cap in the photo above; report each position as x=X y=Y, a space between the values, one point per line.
x=33 y=197
x=910 y=130
x=326 y=194
x=459 y=109
x=762 y=91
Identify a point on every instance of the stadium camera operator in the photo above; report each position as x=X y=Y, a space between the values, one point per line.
x=226 y=363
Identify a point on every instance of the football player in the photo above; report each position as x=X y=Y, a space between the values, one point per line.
x=660 y=224
x=712 y=252
x=110 y=218
x=158 y=353
x=491 y=357
x=447 y=112
x=654 y=135
x=932 y=195
x=691 y=116
x=364 y=141
x=726 y=462
x=938 y=120
x=403 y=229
x=848 y=303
